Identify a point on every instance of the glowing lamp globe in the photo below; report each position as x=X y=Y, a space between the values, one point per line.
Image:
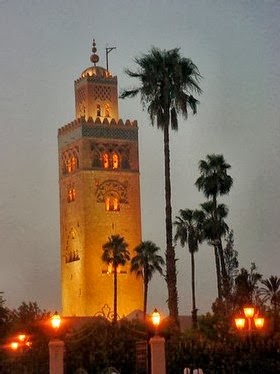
x=56 y=320
x=239 y=323
x=156 y=318
x=249 y=311
x=14 y=346
x=259 y=322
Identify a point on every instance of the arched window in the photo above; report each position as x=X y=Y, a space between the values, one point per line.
x=68 y=166
x=115 y=160
x=105 y=160
x=71 y=194
x=98 y=110
x=107 y=110
x=112 y=203
x=73 y=163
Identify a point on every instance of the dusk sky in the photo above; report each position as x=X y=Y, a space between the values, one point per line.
x=44 y=47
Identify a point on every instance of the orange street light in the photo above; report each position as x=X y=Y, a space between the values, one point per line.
x=20 y=342
x=239 y=323
x=259 y=322
x=56 y=321
x=249 y=313
x=14 y=345
x=156 y=318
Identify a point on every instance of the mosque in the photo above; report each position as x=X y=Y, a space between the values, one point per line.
x=99 y=193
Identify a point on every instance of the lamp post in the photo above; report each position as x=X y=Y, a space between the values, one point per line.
x=157 y=344
x=248 y=323
x=56 y=348
x=19 y=345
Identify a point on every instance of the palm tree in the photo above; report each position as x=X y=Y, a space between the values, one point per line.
x=189 y=231
x=115 y=253
x=214 y=228
x=271 y=293
x=215 y=181
x=166 y=82
x=145 y=263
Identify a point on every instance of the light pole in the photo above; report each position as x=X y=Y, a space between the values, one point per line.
x=157 y=344
x=20 y=345
x=249 y=322
x=56 y=348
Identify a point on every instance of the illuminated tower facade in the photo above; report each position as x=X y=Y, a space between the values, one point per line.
x=99 y=197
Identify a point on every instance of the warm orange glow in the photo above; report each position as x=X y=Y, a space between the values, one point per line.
x=112 y=204
x=14 y=346
x=239 y=323
x=259 y=322
x=115 y=161
x=109 y=269
x=22 y=337
x=56 y=320
x=105 y=158
x=98 y=110
x=156 y=317
x=107 y=110
x=249 y=311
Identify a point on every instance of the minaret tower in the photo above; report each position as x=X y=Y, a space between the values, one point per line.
x=99 y=197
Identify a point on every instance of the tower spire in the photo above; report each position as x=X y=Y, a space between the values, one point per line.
x=94 y=58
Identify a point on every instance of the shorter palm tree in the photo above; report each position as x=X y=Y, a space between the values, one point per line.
x=271 y=292
x=115 y=253
x=145 y=263
x=189 y=230
x=214 y=228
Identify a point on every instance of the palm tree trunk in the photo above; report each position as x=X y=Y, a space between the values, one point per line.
x=219 y=256
x=171 y=278
x=194 y=309
x=145 y=298
x=218 y=272
x=224 y=280
x=115 y=295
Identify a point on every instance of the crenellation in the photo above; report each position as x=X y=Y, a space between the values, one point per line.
x=79 y=122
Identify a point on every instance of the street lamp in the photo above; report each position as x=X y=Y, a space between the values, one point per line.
x=249 y=316
x=249 y=322
x=20 y=342
x=156 y=319
x=19 y=345
x=157 y=344
x=56 y=347
x=56 y=321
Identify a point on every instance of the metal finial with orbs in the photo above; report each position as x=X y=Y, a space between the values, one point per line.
x=94 y=58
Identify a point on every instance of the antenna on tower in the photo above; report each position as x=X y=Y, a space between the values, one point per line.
x=108 y=50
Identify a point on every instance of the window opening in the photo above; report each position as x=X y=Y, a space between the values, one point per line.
x=98 y=110
x=105 y=159
x=107 y=110
x=115 y=161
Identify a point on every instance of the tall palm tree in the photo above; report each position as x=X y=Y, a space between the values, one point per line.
x=214 y=228
x=214 y=181
x=115 y=253
x=189 y=231
x=145 y=263
x=167 y=81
